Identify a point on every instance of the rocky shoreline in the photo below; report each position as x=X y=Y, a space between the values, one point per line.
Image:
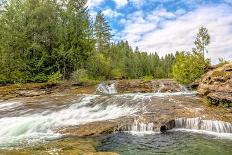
x=216 y=85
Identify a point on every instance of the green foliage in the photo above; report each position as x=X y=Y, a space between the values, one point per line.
x=148 y=78
x=189 y=67
x=42 y=40
x=41 y=77
x=117 y=73
x=213 y=102
x=80 y=75
x=99 y=66
x=102 y=32
x=55 y=78
x=202 y=40
x=222 y=62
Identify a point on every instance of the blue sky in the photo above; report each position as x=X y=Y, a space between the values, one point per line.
x=166 y=26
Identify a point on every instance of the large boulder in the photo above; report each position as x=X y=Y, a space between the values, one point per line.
x=217 y=84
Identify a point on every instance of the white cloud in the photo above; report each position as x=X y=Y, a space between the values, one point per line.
x=121 y=3
x=94 y=3
x=110 y=13
x=166 y=32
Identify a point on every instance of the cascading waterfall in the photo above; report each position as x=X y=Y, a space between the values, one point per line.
x=107 y=88
x=40 y=126
x=139 y=127
x=206 y=125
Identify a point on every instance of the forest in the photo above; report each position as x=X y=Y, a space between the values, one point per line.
x=50 y=40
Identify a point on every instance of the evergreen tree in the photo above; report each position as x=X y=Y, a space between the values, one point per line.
x=41 y=40
x=202 y=40
x=102 y=32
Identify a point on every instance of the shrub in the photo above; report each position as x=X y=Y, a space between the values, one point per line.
x=116 y=73
x=80 y=75
x=55 y=77
x=189 y=67
x=40 y=78
x=148 y=78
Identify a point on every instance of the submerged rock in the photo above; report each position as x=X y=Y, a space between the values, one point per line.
x=70 y=146
x=217 y=84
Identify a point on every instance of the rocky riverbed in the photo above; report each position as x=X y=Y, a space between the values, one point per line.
x=70 y=120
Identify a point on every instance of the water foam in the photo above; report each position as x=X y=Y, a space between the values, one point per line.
x=198 y=125
x=107 y=88
x=40 y=126
x=9 y=105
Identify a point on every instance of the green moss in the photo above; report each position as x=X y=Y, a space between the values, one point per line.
x=218 y=74
x=213 y=102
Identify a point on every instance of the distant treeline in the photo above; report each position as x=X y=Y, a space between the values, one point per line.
x=57 y=39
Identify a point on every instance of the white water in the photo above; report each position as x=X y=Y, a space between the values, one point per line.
x=161 y=86
x=183 y=88
x=9 y=105
x=203 y=125
x=40 y=126
x=107 y=88
x=149 y=95
x=140 y=127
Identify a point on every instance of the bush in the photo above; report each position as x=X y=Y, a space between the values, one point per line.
x=189 y=67
x=54 y=78
x=116 y=73
x=40 y=78
x=80 y=75
x=148 y=78
x=213 y=102
x=3 y=79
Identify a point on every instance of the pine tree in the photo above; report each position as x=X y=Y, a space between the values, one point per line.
x=202 y=40
x=102 y=33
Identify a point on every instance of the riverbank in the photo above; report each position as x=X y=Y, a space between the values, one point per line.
x=122 y=86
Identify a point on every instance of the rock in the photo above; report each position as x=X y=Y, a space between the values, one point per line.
x=144 y=86
x=217 y=84
x=96 y=128
x=70 y=146
x=31 y=93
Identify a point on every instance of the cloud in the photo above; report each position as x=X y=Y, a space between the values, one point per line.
x=165 y=32
x=121 y=3
x=94 y=3
x=111 y=14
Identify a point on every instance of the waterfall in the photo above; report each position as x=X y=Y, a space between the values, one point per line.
x=207 y=125
x=183 y=88
x=107 y=88
x=40 y=126
x=139 y=127
x=161 y=86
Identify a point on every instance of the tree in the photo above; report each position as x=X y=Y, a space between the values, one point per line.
x=42 y=40
x=188 y=67
x=102 y=32
x=202 y=40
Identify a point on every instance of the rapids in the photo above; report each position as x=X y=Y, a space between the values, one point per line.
x=35 y=120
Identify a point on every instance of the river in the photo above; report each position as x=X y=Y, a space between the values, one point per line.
x=135 y=119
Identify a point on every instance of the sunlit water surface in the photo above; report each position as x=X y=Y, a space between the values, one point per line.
x=171 y=143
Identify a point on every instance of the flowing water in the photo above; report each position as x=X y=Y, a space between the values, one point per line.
x=107 y=88
x=35 y=121
x=170 y=143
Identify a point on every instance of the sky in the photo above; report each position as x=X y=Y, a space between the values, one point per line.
x=165 y=26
